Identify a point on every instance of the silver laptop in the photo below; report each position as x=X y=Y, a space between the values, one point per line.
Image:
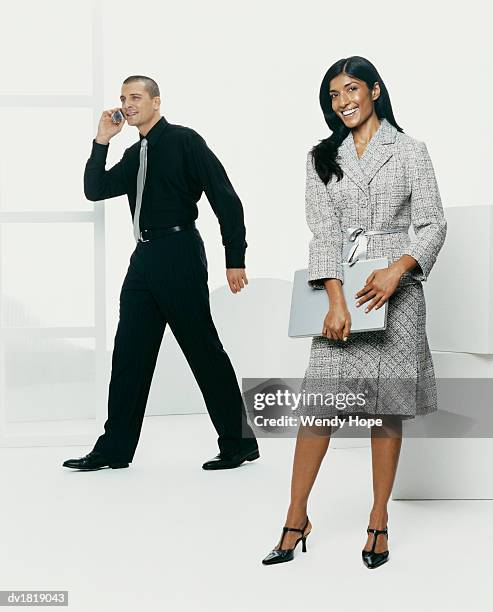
x=309 y=306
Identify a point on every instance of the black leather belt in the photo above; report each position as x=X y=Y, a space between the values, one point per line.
x=158 y=232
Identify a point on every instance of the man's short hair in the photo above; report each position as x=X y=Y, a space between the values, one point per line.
x=150 y=85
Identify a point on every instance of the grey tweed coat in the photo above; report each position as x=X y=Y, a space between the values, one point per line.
x=392 y=184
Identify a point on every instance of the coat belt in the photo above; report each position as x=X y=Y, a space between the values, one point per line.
x=358 y=235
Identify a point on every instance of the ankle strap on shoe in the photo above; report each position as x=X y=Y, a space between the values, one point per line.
x=285 y=529
x=377 y=531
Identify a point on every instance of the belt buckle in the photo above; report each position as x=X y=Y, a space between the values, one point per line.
x=142 y=239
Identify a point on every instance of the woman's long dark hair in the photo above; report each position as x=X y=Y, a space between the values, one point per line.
x=325 y=152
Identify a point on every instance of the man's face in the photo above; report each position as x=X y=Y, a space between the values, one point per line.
x=137 y=105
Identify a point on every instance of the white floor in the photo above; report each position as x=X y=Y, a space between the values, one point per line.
x=166 y=535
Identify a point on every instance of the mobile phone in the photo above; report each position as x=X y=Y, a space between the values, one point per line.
x=116 y=117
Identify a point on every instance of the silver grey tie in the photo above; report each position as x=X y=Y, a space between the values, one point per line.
x=141 y=177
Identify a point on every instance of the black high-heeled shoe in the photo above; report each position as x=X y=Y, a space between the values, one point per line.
x=279 y=555
x=374 y=559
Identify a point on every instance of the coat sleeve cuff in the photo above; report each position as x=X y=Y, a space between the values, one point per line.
x=317 y=277
x=324 y=262
x=421 y=271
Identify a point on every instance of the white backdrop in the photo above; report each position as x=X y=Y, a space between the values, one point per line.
x=246 y=76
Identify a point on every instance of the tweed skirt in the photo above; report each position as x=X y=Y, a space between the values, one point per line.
x=393 y=367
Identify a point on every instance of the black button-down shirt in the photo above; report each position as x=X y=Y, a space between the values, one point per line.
x=180 y=167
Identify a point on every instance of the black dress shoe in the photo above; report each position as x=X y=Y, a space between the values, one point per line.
x=281 y=555
x=225 y=461
x=371 y=558
x=93 y=461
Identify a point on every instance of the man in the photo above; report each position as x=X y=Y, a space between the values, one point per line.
x=164 y=175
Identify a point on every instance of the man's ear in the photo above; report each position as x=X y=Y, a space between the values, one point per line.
x=157 y=100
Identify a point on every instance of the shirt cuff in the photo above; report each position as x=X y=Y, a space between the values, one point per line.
x=99 y=151
x=235 y=257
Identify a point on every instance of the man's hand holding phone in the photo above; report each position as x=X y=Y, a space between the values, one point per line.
x=111 y=122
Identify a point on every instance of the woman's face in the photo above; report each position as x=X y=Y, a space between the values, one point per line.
x=352 y=101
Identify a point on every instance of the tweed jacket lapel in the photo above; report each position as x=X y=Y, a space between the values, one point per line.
x=377 y=152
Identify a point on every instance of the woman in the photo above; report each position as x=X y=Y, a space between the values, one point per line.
x=368 y=174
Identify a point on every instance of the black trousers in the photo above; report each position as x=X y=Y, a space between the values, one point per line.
x=166 y=282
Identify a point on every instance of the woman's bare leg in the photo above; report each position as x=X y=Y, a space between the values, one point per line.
x=386 y=443
x=311 y=446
